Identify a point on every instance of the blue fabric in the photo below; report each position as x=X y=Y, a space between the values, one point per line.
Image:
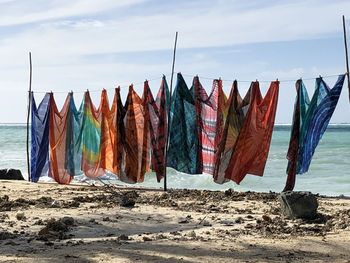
x=74 y=138
x=319 y=114
x=39 y=137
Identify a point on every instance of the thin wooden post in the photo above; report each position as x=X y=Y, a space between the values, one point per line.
x=168 y=119
x=346 y=54
x=28 y=112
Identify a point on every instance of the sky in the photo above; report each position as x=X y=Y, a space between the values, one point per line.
x=87 y=44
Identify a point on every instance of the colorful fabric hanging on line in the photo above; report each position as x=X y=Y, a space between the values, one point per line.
x=91 y=138
x=58 y=141
x=253 y=142
x=74 y=136
x=39 y=137
x=108 y=152
x=158 y=115
x=119 y=132
x=183 y=140
x=310 y=121
x=135 y=142
x=235 y=110
x=210 y=122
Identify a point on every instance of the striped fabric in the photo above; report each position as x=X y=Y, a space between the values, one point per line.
x=58 y=141
x=253 y=142
x=310 y=121
x=319 y=121
x=39 y=137
x=209 y=123
x=157 y=111
x=234 y=111
x=91 y=138
x=183 y=140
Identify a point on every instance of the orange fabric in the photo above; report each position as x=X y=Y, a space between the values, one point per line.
x=108 y=134
x=135 y=142
x=57 y=138
x=253 y=143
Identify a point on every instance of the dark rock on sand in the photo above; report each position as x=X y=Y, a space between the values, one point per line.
x=298 y=204
x=56 y=229
x=11 y=174
x=128 y=199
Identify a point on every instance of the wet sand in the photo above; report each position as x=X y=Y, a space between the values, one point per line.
x=54 y=223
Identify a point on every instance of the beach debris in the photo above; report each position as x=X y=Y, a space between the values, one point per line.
x=39 y=222
x=266 y=218
x=239 y=220
x=227 y=222
x=68 y=221
x=206 y=223
x=7 y=205
x=3 y=217
x=56 y=204
x=298 y=204
x=145 y=238
x=11 y=174
x=10 y=243
x=191 y=234
x=6 y=235
x=123 y=237
x=229 y=192
x=128 y=199
x=161 y=236
x=56 y=229
x=20 y=216
x=185 y=220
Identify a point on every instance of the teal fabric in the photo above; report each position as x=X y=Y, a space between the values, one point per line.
x=183 y=138
x=74 y=138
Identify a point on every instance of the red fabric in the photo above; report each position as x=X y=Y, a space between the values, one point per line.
x=57 y=137
x=253 y=143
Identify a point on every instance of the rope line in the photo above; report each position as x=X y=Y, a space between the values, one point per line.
x=248 y=81
x=99 y=90
x=193 y=75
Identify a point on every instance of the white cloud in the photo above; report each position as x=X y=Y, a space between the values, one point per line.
x=219 y=26
x=27 y=12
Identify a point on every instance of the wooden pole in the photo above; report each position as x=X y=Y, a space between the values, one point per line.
x=168 y=119
x=28 y=112
x=346 y=54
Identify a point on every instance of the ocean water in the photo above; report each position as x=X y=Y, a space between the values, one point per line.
x=329 y=172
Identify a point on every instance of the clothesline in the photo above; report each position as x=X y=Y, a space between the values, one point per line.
x=99 y=90
x=266 y=81
x=193 y=75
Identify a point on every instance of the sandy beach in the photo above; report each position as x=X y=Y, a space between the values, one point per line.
x=54 y=223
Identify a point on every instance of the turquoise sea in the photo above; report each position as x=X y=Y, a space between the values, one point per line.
x=329 y=171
